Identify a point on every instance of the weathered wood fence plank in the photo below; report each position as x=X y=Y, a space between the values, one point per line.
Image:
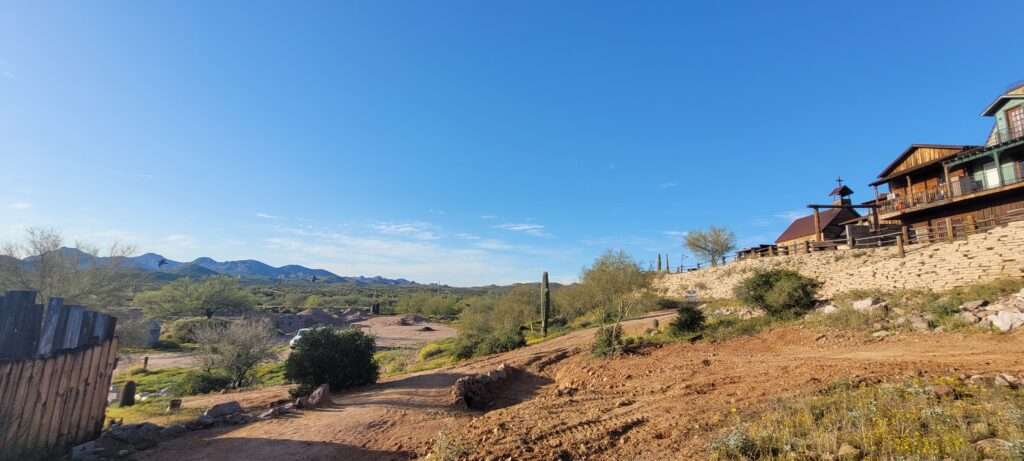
x=56 y=365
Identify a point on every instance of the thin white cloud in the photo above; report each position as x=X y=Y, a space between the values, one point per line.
x=488 y=217
x=790 y=215
x=416 y=230
x=20 y=206
x=267 y=216
x=535 y=230
x=667 y=185
x=466 y=236
x=180 y=241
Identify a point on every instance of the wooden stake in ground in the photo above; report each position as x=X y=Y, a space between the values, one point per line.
x=545 y=304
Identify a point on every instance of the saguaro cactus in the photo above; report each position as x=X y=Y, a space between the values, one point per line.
x=668 y=267
x=659 y=262
x=545 y=304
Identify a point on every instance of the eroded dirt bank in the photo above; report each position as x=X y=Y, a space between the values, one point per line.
x=665 y=404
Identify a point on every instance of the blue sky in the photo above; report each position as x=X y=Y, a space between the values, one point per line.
x=469 y=142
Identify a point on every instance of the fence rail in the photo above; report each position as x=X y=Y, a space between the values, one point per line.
x=55 y=370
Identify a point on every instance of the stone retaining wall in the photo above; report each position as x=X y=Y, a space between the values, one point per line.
x=998 y=253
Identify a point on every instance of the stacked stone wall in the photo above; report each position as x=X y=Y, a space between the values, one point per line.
x=991 y=255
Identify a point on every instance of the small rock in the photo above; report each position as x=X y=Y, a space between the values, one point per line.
x=973 y=305
x=625 y=402
x=881 y=334
x=918 y=323
x=828 y=309
x=319 y=397
x=1005 y=380
x=848 y=452
x=173 y=431
x=868 y=305
x=223 y=409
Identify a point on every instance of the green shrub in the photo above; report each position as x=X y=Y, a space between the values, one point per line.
x=689 y=319
x=465 y=346
x=780 y=292
x=341 y=359
x=501 y=341
x=608 y=341
x=184 y=330
x=201 y=382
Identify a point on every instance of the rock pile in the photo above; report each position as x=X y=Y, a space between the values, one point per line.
x=478 y=391
x=1004 y=315
x=121 y=441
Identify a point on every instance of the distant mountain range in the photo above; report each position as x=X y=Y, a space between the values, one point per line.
x=248 y=269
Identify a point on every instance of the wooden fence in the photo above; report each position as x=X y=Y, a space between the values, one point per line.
x=55 y=370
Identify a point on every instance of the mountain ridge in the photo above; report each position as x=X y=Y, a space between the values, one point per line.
x=246 y=269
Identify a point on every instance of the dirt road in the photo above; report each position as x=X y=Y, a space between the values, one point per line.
x=665 y=404
x=389 y=330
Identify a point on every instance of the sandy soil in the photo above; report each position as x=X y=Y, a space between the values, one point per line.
x=389 y=330
x=665 y=404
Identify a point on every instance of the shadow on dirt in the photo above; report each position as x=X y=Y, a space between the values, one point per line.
x=257 y=449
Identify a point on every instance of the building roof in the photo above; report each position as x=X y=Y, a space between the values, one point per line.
x=840 y=191
x=804 y=226
x=1015 y=92
x=886 y=175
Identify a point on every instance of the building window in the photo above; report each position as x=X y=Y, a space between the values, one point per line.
x=1015 y=121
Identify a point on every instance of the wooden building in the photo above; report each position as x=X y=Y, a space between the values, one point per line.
x=938 y=188
x=831 y=225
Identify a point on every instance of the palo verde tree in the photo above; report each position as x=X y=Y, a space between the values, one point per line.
x=185 y=297
x=712 y=244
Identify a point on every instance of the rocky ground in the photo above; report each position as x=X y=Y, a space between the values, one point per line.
x=558 y=402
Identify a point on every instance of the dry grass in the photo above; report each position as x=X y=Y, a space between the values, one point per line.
x=904 y=421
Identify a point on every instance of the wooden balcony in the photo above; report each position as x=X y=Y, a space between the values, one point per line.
x=960 y=189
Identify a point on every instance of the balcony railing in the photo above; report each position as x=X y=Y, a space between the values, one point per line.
x=958 y=187
x=1007 y=135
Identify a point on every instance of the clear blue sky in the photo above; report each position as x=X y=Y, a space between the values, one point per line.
x=470 y=142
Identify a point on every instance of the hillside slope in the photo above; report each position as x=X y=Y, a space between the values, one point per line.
x=668 y=403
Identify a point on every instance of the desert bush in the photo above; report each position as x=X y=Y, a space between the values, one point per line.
x=132 y=332
x=689 y=319
x=780 y=292
x=903 y=420
x=501 y=341
x=235 y=349
x=184 y=330
x=725 y=328
x=608 y=341
x=340 y=359
x=201 y=382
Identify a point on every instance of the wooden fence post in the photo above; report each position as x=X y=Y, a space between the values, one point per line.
x=899 y=246
x=949 y=229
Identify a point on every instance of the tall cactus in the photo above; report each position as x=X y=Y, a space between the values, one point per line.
x=659 y=262
x=545 y=304
x=668 y=267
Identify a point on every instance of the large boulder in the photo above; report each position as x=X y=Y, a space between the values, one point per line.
x=223 y=409
x=1005 y=321
x=319 y=397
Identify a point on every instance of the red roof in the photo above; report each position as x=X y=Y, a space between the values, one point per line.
x=803 y=227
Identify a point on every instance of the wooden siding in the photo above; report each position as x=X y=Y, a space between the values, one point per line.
x=55 y=372
x=922 y=155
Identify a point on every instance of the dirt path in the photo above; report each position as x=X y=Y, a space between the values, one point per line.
x=666 y=404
